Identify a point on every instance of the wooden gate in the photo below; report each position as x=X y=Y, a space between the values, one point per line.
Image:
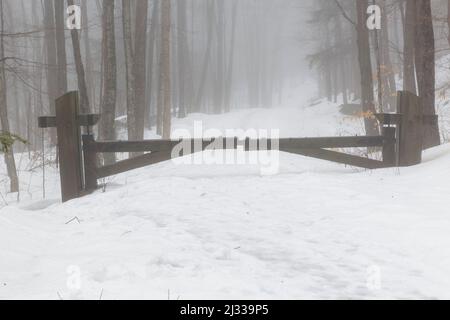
x=80 y=169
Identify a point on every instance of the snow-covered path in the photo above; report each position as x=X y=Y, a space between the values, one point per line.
x=315 y=230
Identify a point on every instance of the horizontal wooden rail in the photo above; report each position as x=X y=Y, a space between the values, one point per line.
x=339 y=157
x=332 y=142
x=233 y=143
x=133 y=163
x=82 y=120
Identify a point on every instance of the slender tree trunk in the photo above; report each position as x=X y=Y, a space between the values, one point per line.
x=82 y=87
x=409 y=78
x=165 y=68
x=220 y=63
x=207 y=58
x=387 y=68
x=9 y=155
x=183 y=59
x=150 y=64
x=327 y=64
x=448 y=20
x=52 y=69
x=342 y=59
x=108 y=106
x=88 y=56
x=365 y=65
x=61 y=47
x=130 y=68
x=230 y=64
x=140 y=65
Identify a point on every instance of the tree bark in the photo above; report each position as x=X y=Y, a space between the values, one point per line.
x=230 y=64
x=365 y=65
x=409 y=78
x=61 y=46
x=140 y=65
x=108 y=105
x=9 y=155
x=88 y=56
x=51 y=55
x=448 y=20
x=150 y=64
x=165 y=68
x=387 y=68
x=81 y=76
x=183 y=60
x=130 y=68
x=425 y=66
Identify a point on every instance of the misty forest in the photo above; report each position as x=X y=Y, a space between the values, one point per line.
x=369 y=77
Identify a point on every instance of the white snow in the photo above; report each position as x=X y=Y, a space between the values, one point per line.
x=315 y=230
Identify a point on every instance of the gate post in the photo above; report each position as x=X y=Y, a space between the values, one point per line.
x=389 y=148
x=69 y=146
x=90 y=163
x=410 y=130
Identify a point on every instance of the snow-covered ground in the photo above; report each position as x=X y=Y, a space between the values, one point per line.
x=314 y=230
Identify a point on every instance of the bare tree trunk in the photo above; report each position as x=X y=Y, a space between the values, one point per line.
x=365 y=65
x=140 y=66
x=108 y=106
x=50 y=47
x=409 y=78
x=387 y=68
x=220 y=63
x=183 y=59
x=230 y=64
x=342 y=58
x=448 y=20
x=165 y=68
x=82 y=87
x=425 y=66
x=88 y=56
x=150 y=63
x=61 y=47
x=9 y=154
x=130 y=68
x=206 y=60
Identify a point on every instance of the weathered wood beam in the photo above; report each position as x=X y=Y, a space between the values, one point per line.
x=338 y=157
x=133 y=163
x=233 y=143
x=82 y=120
x=332 y=142
x=69 y=143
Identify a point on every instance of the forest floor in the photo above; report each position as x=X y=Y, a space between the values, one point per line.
x=176 y=231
